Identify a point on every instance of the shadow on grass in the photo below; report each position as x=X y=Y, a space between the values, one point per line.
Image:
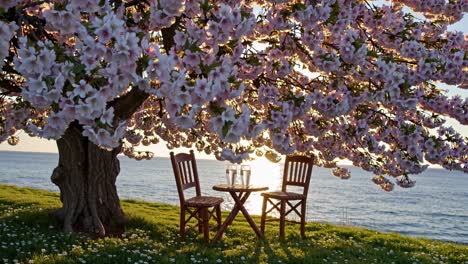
x=155 y=230
x=26 y=232
x=29 y=215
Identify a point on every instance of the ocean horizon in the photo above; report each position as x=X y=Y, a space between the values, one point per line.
x=436 y=208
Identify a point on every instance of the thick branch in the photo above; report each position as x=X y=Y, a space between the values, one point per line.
x=126 y=105
x=168 y=35
x=10 y=86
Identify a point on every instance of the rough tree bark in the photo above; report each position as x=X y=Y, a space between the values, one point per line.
x=86 y=176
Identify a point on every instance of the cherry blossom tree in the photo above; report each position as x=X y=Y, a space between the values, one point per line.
x=339 y=79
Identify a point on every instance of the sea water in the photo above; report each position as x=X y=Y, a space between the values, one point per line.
x=437 y=207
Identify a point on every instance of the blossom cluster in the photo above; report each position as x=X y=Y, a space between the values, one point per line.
x=336 y=79
x=6 y=31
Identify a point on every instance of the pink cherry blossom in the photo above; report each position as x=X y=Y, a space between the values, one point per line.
x=338 y=79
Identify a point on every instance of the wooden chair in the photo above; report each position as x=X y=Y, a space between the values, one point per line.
x=197 y=207
x=297 y=172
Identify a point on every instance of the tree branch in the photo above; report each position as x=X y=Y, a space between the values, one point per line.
x=33 y=4
x=10 y=86
x=126 y=105
x=135 y=2
x=168 y=35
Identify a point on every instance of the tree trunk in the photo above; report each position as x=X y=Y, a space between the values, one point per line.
x=86 y=176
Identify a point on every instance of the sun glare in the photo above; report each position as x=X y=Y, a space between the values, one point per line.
x=264 y=173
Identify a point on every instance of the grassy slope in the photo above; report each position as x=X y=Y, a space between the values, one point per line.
x=28 y=234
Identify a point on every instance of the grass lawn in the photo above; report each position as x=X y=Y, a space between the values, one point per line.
x=29 y=235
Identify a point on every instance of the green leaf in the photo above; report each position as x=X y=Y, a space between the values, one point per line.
x=226 y=127
x=252 y=60
x=325 y=57
x=378 y=14
x=192 y=46
x=370 y=146
x=142 y=64
x=372 y=53
x=431 y=60
x=216 y=109
x=285 y=13
x=298 y=101
x=49 y=80
x=98 y=82
x=60 y=53
x=245 y=14
x=232 y=43
x=55 y=107
x=231 y=79
x=335 y=12
x=358 y=44
x=298 y=6
x=79 y=71
x=405 y=87
x=60 y=6
x=207 y=68
x=335 y=84
x=409 y=129
x=388 y=59
x=206 y=6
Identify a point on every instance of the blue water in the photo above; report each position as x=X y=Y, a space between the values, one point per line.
x=436 y=208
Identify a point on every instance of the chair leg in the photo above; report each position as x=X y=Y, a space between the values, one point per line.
x=218 y=216
x=182 y=222
x=303 y=215
x=282 y=217
x=206 y=230
x=262 y=223
x=200 y=220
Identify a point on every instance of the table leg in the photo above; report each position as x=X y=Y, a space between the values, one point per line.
x=247 y=216
x=237 y=200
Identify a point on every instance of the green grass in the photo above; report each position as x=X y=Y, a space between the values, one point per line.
x=29 y=235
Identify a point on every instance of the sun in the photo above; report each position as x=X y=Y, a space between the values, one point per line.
x=264 y=173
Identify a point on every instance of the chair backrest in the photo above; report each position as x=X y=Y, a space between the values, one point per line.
x=297 y=172
x=185 y=172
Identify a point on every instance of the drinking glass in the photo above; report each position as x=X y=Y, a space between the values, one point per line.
x=245 y=174
x=231 y=174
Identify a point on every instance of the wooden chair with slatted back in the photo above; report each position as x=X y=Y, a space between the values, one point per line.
x=297 y=172
x=199 y=207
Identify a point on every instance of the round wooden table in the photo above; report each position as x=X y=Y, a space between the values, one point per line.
x=239 y=193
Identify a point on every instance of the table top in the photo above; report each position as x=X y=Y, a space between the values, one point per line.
x=239 y=188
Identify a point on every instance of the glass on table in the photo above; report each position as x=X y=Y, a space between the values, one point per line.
x=245 y=175
x=231 y=174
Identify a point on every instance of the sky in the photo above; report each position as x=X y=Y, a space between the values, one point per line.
x=30 y=144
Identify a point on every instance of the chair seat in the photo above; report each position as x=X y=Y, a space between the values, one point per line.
x=203 y=201
x=284 y=195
